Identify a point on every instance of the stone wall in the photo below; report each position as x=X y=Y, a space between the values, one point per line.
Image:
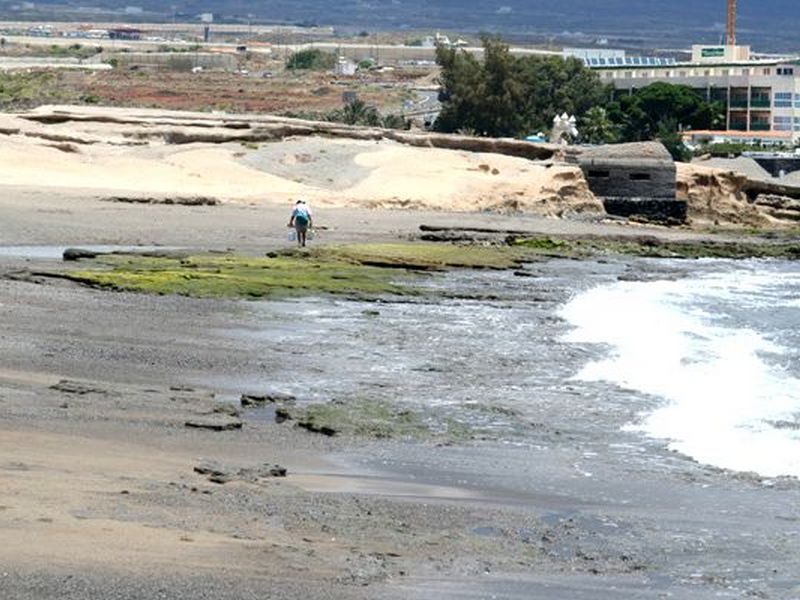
x=177 y=61
x=630 y=178
x=666 y=210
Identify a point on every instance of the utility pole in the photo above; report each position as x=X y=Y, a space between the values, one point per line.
x=730 y=35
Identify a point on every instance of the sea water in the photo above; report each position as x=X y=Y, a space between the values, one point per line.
x=719 y=351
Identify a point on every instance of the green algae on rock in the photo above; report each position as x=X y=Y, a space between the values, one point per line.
x=240 y=277
x=373 y=270
x=654 y=247
x=431 y=256
x=359 y=270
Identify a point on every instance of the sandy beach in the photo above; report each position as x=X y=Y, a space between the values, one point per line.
x=538 y=493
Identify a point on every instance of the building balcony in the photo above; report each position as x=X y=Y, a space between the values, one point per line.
x=760 y=103
x=739 y=103
x=759 y=127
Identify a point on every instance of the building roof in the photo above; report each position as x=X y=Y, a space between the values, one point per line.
x=770 y=62
x=702 y=65
x=633 y=150
x=735 y=133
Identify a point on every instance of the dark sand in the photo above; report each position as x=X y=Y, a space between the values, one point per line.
x=98 y=497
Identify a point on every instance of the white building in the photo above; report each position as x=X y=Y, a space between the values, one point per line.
x=345 y=67
x=760 y=95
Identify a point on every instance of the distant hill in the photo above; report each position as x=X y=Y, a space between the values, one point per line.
x=767 y=24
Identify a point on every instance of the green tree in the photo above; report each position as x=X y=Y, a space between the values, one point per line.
x=645 y=112
x=460 y=82
x=596 y=127
x=661 y=111
x=669 y=135
x=511 y=96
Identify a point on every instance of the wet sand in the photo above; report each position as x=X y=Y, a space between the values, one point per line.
x=99 y=497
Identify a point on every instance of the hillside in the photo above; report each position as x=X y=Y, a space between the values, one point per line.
x=767 y=24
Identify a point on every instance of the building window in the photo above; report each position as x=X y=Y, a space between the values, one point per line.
x=783 y=100
x=766 y=72
x=782 y=123
x=599 y=174
x=787 y=71
x=639 y=177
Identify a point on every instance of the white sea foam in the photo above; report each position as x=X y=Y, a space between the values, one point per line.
x=687 y=342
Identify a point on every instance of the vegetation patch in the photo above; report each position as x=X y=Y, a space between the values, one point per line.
x=312 y=59
x=359 y=270
x=355 y=112
x=291 y=274
x=372 y=270
x=653 y=247
x=22 y=89
x=73 y=51
x=431 y=256
x=546 y=244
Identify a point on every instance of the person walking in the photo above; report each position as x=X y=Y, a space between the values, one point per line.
x=301 y=221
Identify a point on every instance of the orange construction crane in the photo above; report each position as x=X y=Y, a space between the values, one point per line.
x=730 y=36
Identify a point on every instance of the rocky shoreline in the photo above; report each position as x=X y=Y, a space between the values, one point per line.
x=374 y=446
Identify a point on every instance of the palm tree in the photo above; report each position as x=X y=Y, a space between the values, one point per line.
x=597 y=127
x=358 y=112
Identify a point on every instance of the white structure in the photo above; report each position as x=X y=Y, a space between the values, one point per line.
x=760 y=95
x=593 y=55
x=437 y=40
x=345 y=67
x=442 y=40
x=564 y=129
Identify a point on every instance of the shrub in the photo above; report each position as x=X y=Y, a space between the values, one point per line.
x=311 y=59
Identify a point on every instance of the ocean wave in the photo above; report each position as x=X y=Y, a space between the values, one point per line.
x=701 y=344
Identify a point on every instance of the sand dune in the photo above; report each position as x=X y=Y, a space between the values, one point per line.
x=333 y=172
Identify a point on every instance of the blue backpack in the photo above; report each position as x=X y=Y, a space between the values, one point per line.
x=301 y=216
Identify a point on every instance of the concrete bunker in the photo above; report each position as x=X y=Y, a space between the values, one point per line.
x=633 y=180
